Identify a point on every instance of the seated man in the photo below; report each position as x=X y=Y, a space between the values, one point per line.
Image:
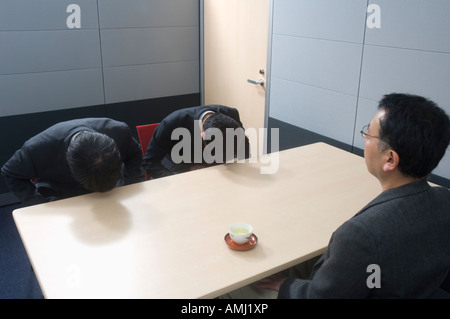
x=396 y=246
x=196 y=122
x=73 y=158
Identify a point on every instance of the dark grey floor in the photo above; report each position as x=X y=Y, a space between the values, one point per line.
x=17 y=279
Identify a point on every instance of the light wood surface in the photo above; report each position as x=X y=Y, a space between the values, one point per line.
x=164 y=238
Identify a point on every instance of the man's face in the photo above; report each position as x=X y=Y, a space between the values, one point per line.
x=372 y=154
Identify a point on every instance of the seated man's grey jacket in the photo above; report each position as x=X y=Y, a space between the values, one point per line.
x=404 y=231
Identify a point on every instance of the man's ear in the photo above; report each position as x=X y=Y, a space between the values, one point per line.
x=392 y=160
x=203 y=135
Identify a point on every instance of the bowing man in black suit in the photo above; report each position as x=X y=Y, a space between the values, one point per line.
x=73 y=158
x=197 y=122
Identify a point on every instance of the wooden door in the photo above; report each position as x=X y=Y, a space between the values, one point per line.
x=235 y=52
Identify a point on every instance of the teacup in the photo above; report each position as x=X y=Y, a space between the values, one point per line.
x=240 y=233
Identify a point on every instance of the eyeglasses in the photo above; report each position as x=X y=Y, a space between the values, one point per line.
x=365 y=135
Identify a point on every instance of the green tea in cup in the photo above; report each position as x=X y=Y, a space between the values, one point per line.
x=240 y=233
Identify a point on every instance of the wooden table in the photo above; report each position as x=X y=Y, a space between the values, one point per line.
x=164 y=238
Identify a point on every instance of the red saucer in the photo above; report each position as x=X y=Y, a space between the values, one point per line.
x=251 y=243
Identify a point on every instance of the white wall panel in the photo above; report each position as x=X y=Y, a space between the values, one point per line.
x=44 y=15
x=48 y=91
x=150 y=48
x=326 y=64
x=148 y=13
x=129 y=39
x=387 y=70
x=46 y=51
x=319 y=83
x=413 y=24
x=322 y=111
x=443 y=168
x=134 y=46
x=316 y=61
x=127 y=83
x=366 y=111
x=342 y=20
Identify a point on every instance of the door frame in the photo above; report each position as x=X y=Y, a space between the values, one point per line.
x=268 y=62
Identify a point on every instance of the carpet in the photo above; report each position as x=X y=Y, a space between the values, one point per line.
x=17 y=279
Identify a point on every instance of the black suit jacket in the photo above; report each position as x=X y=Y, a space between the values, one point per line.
x=157 y=160
x=43 y=157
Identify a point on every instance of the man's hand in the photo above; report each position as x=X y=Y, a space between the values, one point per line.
x=272 y=282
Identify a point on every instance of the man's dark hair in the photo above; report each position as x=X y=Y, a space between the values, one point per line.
x=94 y=161
x=222 y=122
x=417 y=129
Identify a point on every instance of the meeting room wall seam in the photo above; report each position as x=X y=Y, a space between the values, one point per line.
x=359 y=83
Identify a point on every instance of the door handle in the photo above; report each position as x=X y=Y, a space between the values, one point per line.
x=260 y=82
